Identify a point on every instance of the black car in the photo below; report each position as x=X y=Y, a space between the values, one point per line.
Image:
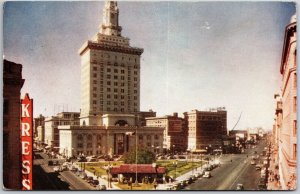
x=95 y=183
x=261 y=186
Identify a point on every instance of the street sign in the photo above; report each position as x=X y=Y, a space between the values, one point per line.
x=26 y=141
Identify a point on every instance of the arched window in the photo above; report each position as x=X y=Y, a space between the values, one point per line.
x=98 y=137
x=121 y=123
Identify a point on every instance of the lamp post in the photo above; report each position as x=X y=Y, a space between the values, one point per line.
x=155 y=177
x=201 y=160
x=108 y=176
x=173 y=150
x=136 y=157
x=207 y=153
x=175 y=165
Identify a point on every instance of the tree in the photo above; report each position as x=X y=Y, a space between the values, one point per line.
x=144 y=156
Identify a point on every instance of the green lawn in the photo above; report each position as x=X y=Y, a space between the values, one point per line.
x=181 y=168
x=99 y=167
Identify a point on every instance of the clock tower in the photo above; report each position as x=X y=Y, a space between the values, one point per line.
x=110 y=25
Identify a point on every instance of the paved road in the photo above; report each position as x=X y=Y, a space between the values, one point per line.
x=76 y=183
x=230 y=173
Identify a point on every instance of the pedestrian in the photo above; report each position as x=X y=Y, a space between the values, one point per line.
x=155 y=185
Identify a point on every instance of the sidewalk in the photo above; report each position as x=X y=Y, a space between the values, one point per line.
x=179 y=178
x=273 y=184
x=101 y=180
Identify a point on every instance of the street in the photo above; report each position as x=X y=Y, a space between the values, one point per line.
x=235 y=169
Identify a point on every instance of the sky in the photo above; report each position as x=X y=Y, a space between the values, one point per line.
x=197 y=55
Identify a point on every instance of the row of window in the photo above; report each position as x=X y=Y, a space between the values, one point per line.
x=114 y=109
x=108 y=76
x=89 y=137
x=109 y=70
x=100 y=62
x=148 y=137
x=116 y=57
x=116 y=83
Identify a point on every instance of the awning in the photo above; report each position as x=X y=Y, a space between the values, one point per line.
x=218 y=150
x=200 y=151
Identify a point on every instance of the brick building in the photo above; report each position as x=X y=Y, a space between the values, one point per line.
x=206 y=129
x=288 y=132
x=175 y=133
x=12 y=84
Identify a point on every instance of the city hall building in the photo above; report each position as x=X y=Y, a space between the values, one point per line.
x=110 y=95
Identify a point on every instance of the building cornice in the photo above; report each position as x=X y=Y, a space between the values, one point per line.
x=117 y=48
x=291 y=70
x=289 y=30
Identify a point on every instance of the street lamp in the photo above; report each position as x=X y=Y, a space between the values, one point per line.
x=108 y=176
x=136 y=156
x=173 y=150
x=175 y=165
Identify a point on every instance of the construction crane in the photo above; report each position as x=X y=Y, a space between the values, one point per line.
x=237 y=121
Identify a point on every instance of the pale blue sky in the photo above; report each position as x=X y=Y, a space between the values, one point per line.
x=196 y=54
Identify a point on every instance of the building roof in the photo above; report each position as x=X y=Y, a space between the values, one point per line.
x=139 y=168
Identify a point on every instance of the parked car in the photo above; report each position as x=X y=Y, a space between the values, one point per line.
x=199 y=174
x=74 y=169
x=258 y=167
x=189 y=180
x=102 y=187
x=56 y=168
x=89 y=179
x=183 y=183
x=261 y=187
x=252 y=162
x=92 y=160
x=240 y=187
x=207 y=174
x=50 y=163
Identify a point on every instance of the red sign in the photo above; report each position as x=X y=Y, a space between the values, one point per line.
x=26 y=141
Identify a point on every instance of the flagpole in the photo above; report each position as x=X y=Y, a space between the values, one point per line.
x=136 y=181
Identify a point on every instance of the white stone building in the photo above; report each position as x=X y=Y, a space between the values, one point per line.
x=51 y=133
x=110 y=95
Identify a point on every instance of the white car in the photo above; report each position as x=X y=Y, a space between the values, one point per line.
x=56 y=169
x=207 y=174
x=252 y=162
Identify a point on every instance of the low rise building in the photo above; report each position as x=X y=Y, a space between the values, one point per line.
x=108 y=140
x=145 y=114
x=51 y=136
x=175 y=131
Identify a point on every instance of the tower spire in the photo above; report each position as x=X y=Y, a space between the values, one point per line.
x=110 y=24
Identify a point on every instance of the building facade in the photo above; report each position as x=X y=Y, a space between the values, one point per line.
x=111 y=140
x=276 y=129
x=145 y=114
x=206 y=129
x=12 y=84
x=51 y=132
x=38 y=121
x=288 y=132
x=175 y=133
x=110 y=95
x=110 y=71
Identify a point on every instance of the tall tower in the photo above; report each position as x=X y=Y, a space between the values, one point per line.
x=110 y=72
x=110 y=24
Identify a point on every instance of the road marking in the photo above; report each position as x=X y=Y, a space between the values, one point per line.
x=234 y=182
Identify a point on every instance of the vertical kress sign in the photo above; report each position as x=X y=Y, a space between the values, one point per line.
x=26 y=141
